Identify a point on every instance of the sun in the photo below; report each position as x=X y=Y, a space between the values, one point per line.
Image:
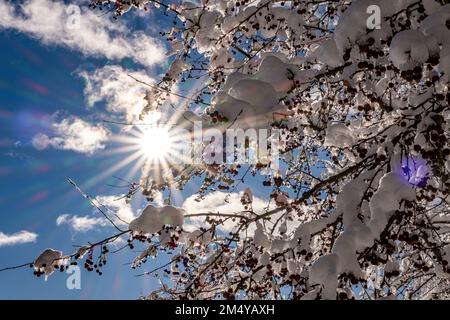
x=155 y=143
x=152 y=147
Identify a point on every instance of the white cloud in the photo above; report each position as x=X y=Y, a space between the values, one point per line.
x=117 y=210
x=73 y=134
x=52 y=22
x=17 y=238
x=113 y=85
x=158 y=198
x=215 y=203
x=41 y=141
x=118 y=206
x=123 y=94
x=81 y=224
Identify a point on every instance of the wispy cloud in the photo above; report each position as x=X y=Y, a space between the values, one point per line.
x=117 y=210
x=73 y=134
x=80 y=224
x=118 y=206
x=17 y=238
x=89 y=33
x=121 y=93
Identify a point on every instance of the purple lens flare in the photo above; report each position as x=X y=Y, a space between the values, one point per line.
x=414 y=170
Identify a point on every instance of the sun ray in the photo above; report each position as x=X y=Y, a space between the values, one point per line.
x=105 y=174
x=121 y=150
x=162 y=150
x=139 y=163
x=155 y=143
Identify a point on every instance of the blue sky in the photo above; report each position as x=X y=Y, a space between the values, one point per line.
x=36 y=82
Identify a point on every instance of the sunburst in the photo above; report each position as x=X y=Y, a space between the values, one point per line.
x=154 y=148
x=155 y=143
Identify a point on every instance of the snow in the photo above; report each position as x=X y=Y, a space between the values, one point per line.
x=176 y=67
x=325 y=271
x=46 y=261
x=200 y=237
x=408 y=49
x=152 y=219
x=276 y=72
x=247 y=196
x=354 y=239
x=260 y=238
x=254 y=99
x=151 y=251
x=328 y=53
x=339 y=135
x=357 y=235
x=391 y=266
x=386 y=200
x=257 y=93
x=352 y=26
x=279 y=245
x=281 y=199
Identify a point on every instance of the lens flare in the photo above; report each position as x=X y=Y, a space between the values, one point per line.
x=155 y=143
x=413 y=170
